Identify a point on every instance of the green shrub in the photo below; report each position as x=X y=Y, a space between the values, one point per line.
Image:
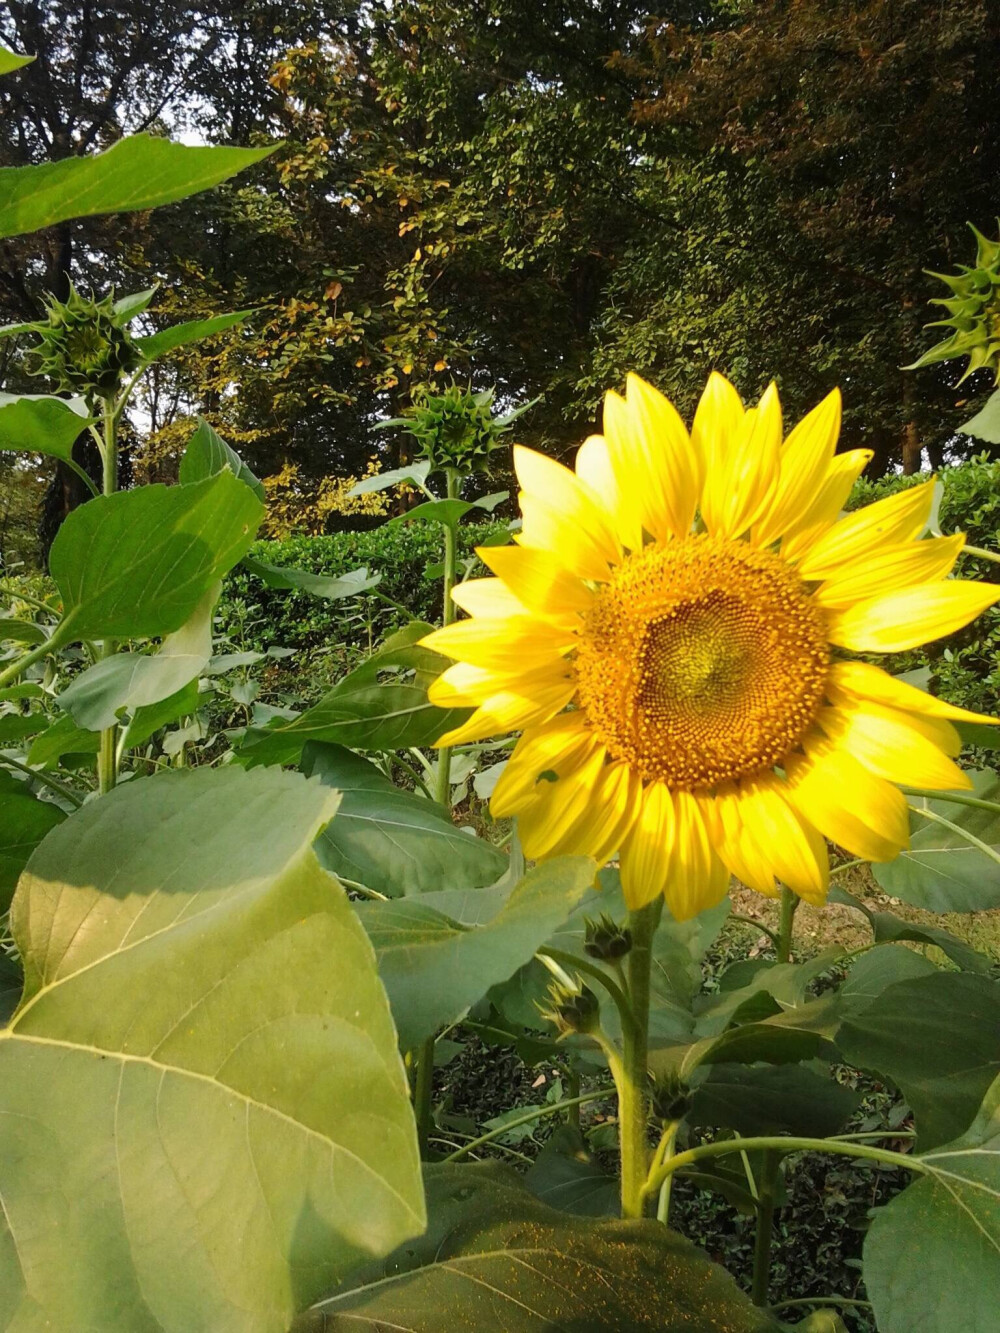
x=404 y=554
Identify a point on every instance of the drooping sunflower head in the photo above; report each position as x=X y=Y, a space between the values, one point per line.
x=671 y=634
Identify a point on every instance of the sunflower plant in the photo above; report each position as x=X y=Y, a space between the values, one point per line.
x=225 y=986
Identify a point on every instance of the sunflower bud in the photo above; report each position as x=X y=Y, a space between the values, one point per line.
x=82 y=348
x=456 y=429
x=671 y=1098
x=573 y=1009
x=973 y=313
x=606 y=939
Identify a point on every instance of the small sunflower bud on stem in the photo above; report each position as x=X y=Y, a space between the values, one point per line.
x=605 y=939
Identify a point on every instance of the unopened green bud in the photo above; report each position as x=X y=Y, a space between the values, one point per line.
x=455 y=429
x=671 y=1097
x=973 y=313
x=572 y=1009
x=81 y=347
x=606 y=939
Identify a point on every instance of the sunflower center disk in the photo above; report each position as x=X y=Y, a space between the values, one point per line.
x=702 y=660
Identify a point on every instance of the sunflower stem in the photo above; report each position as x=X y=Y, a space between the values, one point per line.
x=107 y=755
x=789 y=906
x=632 y=1076
x=767 y=1182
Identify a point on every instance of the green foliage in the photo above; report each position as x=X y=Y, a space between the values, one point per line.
x=83 y=346
x=201 y=995
x=137 y=173
x=403 y=557
x=455 y=429
x=972 y=313
x=488 y=1234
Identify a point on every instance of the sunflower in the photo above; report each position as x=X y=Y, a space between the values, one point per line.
x=668 y=635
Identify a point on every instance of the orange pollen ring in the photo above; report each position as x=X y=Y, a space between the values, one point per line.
x=701 y=661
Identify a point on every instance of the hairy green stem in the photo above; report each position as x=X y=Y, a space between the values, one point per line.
x=767 y=1182
x=633 y=1079
x=789 y=906
x=935 y=818
x=981 y=552
x=759 y=925
x=9 y=591
x=952 y=798
x=783 y=1144
x=423 y=1090
x=849 y=1301
x=535 y=1113
x=11 y=673
x=663 y=1154
x=107 y=755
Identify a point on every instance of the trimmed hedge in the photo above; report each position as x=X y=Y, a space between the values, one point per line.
x=404 y=554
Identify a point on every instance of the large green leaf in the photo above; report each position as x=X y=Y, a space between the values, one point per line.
x=10 y=61
x=318 y=585
x=204 y=1121
x=363 y=714
x=207 y=454
x=42 y=424
x=876 y=970
x=137 y=173
x=771 y=1099
x=130 y=681
x=192 y=331
x=567 y=1176
x=938 y=1039
x=932 y=1256
x=985 y=425
x=434 y=968
x=391 y=840
x=24 y=822
x=953 y=867
x=62 y=738
x=888 y=928
x=494 y=1259
x=137 y=564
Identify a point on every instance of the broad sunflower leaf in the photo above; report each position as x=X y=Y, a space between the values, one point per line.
x=390 y=840
x=131 y=681
x=204 y=1121
x=985 y=425
x=771 y=1099
x=139 y=172
x=938 y=1039
x=191 y=331
x=136 y=564
x=127 y=308
x=24 y=822
x=932 y=1255
x=62 y=738
x=446 y=512
x=878 y=969
x=207 y=454
x=435 y=969
x=888 y=928
x=319 y=585
x=363 y=713
x=953 y=867
x=42 y=424
x=416 y=474
x=496 y=1259
x=10 y=61
x=567 y=1176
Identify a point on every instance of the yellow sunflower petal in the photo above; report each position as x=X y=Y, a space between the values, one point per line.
x=535 y=580
x=738 y=848
x=717 y=421
x=793 y=849
x=489 y=598
x=740 y=490
x=898 y=518
x=510 y=643
x=697 y=879
x=670 y=475
x=804 y=462
x=602 y=823
x=465 y=686
x=646 y=853
x=854 y=681
x=889 y=569
x=824 y=509
x=847 y=803
x=559 y=805
x=561 y=514
x=900 y=620
x=595 y=466
x=542 y=749
x=899 y=747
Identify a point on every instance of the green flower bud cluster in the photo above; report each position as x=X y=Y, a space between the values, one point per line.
x=572 y=1009
x=671 y=1098
x=456 y=430
x=973 y=313
x=82 y=346
x=606 y=939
